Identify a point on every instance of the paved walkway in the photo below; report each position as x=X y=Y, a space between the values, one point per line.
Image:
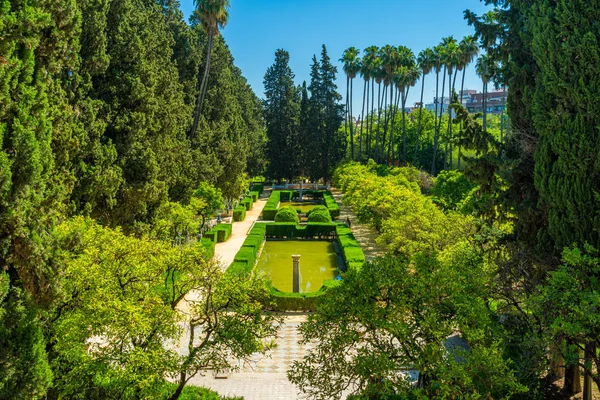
x=225 y=252
x=364 y=234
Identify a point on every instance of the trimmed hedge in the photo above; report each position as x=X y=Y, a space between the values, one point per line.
x=332 y=205
x=270 y=210
x=247 y=203
x=257 y=187
x=292 y=230
x=254 y=195
x=319 y=214
x=286 y=301
x=353 y=255
x=246 y=258
x=219 y=233
x=287 y=214
x=239 y=213
x=288 y=195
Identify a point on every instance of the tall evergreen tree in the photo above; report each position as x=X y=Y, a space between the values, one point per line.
x=282 y=113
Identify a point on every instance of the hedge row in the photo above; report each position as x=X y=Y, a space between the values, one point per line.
x=247 y=202
x=246 y=258
x=349 y=247
x=257 y=187
x=219 y=233
x=292 y=230
x=285 y=301
x=270 y=210
x=332 y=205
x=239 y=213
x=254 y=195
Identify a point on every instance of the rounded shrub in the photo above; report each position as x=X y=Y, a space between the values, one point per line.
x=287 y=214
x=319 y=214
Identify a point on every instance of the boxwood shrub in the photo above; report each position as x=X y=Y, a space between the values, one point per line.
x=319 y=214
x=239 y=213
x=270 y=210
x=287 y=214
x=209 y=248
x=332 y=205
x=353 y=255
x=247 y=202
x=255 y=195
x=286 y=301
x=257 y=187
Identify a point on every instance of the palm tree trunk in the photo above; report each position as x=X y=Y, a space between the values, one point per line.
x=437 y=87
x=372 y=116
x=346 y=110
x=203 y=85
x=436 y=137
x=386 y=122
x=351 y=122
x=462 y=88
x=404 y=96
x=362 y=121
x=378 y=122
x=392 y=132
x=420 y=121
x=449 y=129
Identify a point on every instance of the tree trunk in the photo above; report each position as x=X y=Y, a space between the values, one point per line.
x=449 y=128
x=348 y=116
x=436 y=137
x=590 y=350
x=362 y=121
x=372 y=116
x=394 y=113
x=203 y=86
x=378 y=122
x=404 y=95
x=462 y=88
x=420 y=121
x=572 y=379
x=180 y=386
x=351 y=122
x=385 y=123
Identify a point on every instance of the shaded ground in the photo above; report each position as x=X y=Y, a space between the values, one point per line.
x=365 y=235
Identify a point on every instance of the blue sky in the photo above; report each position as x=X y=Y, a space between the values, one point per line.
x=256 y=28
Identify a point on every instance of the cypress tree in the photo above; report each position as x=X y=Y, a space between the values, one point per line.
x=282 y=113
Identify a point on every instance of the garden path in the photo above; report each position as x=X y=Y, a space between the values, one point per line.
x=364 y=234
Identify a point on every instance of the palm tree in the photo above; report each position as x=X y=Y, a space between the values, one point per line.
x=212 y=14
x=483 y=70
x=426 y=62
x=370 y=62
x=351 y=67
x=407 y=76
x=468 y=49
x=390 y=64
x=440 y=51
x=366 y=74
x=452 y=60
x=378 y=75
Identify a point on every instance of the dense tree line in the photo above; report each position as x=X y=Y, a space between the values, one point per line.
x=97 y=103
x=517 y=227
x=303 y=123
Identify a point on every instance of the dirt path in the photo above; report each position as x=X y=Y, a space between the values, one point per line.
x=365 y=235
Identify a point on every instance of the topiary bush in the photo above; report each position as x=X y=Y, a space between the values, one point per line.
x=270 y=210
x=239 y=213
x=319 y=214
x=287 y=214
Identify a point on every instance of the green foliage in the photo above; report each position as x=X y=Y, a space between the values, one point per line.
x=379 y=310
x=220 y=233
x=255 y=196
x=319 y=214
x=332 y=206
x=212 y=200
x=285 y=301
x=239 y=213
x=113 y=327
x=270 y=210
x=353 y=255
x=287 y=214
x=451 y=189
x=247 y=202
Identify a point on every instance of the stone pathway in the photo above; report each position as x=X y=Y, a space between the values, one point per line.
x=364 y=234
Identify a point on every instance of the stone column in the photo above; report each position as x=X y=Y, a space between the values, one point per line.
x=296 y=272
x=300 y=190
